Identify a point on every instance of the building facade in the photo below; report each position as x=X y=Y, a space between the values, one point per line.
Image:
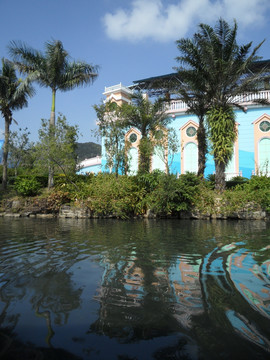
x=251 y=149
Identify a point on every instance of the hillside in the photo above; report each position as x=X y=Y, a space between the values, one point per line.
x=88 y=150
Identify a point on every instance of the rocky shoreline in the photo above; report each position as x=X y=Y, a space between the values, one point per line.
x=16 y=209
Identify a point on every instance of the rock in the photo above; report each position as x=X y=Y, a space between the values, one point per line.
x=67 y=211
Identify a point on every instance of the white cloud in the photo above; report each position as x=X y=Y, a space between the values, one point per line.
x=158 y=20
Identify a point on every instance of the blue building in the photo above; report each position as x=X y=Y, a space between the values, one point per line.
x=88 y=166
x=251 y=149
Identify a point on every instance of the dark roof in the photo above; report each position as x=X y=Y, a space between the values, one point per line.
x=160 y=85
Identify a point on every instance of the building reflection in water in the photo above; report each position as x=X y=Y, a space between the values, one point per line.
x=135 y=299
x=251 y=279
x=185 y=279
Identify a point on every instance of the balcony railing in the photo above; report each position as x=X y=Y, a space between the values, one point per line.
x=179 y=105
x=117 y=87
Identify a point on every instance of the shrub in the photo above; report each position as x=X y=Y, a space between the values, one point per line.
x=236 y=180
x=107 y=195
x=173 y=195
x=27 y=186
x=149 y=181
x=210 y=181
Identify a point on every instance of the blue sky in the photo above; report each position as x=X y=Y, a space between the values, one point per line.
x=128 y=39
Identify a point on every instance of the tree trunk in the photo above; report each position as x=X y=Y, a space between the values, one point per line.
x=145 y=153
x=202 y=148
x=52 y=127
x=220 y=183
x=5 y=150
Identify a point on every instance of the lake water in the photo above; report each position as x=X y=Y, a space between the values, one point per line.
x=142 y=289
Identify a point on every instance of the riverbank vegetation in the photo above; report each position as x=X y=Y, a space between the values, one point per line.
x=154 y=195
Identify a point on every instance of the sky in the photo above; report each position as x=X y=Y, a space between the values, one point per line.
x=128 y=39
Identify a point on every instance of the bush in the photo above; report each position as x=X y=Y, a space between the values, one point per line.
x=211 y=180
x=173 y=195
x=149 y=181
x=237 y=180
x=27 y=186
x=107 y=195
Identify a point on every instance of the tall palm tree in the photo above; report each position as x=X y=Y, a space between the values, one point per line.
x=227 y=67
x=224 y=71
x=147 y=117
x=14 y=93
x=193 y=91
x=52 y=69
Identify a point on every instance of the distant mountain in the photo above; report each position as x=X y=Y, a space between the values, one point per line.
x=88 y=150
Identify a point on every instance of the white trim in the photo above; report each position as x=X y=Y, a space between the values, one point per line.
x=90 y=162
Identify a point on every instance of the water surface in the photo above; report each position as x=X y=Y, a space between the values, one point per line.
x=142 y=289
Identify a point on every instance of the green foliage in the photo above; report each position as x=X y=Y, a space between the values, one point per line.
x=259 y=182
x=14 y=95
x=148 y=118
x=172 y=195
x=204 y=198
x=259 y=187
x=211 y=179
x=112 y=129
x=146 y=148
x=166 y=145
x=250 y=195
x=27 y=186
x=20 y=150
x=57 y=148
x=222 y=133
x=148 y=181
x=236 y=180
x=107 y=195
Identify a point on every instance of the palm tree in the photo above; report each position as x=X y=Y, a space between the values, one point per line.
x=193 y=91
x=147 y=117
x=224 y=71
x=52 y=69
x=13 y=96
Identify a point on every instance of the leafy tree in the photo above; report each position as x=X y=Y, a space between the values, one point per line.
x=147 y=117
x=166 y=145
x=14 y=95
x=52 y=69
x=112 y=130
x=20 y=149
x=57 y=152
x=224 y=71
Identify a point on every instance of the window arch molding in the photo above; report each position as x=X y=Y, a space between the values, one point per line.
x=188 y=134
x=261 y=133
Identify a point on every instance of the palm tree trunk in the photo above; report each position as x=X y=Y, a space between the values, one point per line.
x=5 y=151
x=220 y=183
x=52 y=127
x=202 y=148
x=145 y=153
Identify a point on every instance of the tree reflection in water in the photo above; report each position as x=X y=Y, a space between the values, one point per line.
x=169 y=289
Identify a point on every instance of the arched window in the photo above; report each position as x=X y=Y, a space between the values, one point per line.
x=133 y=137
x=133 y=161
x=264 y=156
x=191 y=157
x=189 y=146
x=262 y=144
